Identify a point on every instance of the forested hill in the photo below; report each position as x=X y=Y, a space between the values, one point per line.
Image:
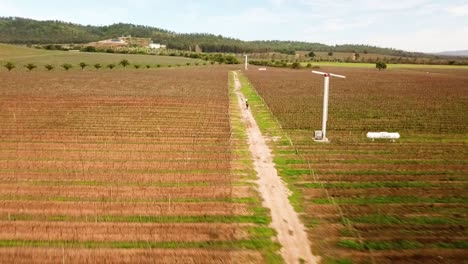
x=16 y=30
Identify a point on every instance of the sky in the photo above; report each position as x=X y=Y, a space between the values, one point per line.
x=411 y=25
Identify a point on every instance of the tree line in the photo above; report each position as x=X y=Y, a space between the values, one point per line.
x=124 y=63
x=17 y=30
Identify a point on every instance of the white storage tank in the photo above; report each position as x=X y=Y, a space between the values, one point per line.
x=383 y=135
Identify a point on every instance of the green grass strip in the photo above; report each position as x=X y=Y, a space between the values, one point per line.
x=388 y=172
x=368 y=185
x=116 y=171
x=255 y=219
x=226 y=245
x=249 y=200
x=393 y=200
x=399 y=245
x=397 y=220
x=453 y=245
x=381 y=245
x=115 y=184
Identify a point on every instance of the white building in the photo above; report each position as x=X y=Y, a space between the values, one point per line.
x=157 y=46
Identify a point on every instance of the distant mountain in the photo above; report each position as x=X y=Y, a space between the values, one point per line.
x=15 y=30
x=463 y=53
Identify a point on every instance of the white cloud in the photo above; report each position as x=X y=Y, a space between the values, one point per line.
x=340 y=24
x=461 y=10
x=363 y=5
x=393 y=5
x=430 y=40
x=278 y=3
x=8 y=9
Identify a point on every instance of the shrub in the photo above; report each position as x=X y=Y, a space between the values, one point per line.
x=67 y=66
x=137 y=66
x=89 y=49
x=124 y=63
x=49 y=67
x=111 y=66
x=231 y=60
x=97 y=66
x=159 y=65
x=9 y=65
x=381 y=65
x=30 y=66
x=296 y=65
x=83 y=65
x=148 y=66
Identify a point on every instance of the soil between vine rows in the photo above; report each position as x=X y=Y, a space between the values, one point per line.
x=126 y=166
x=403 y=202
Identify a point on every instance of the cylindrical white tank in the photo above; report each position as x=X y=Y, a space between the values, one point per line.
x=383 y=135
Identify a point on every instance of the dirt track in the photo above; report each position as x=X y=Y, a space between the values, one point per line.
x=291 y=232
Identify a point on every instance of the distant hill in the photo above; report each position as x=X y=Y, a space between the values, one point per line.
x=463 y=53
x=16 y=30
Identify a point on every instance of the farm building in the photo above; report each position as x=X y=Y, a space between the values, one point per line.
x=156 y=46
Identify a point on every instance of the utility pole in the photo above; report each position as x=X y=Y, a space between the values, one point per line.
x=246 y=62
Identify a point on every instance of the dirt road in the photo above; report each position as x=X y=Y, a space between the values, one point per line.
x=291 y=231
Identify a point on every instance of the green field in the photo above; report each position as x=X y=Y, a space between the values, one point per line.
x=389 y=66
x=21 y=55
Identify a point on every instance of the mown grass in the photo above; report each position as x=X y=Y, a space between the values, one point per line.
x=110 y=183
x=399 y=245
x=381 y=219
x=369 y=185
x=393 y=200
x=221 y=245
x=16 y=197
x=380 y=245
x=387 y=172
x=254 y=219
x=64 y=170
